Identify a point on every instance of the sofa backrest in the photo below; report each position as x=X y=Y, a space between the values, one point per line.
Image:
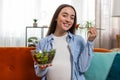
x=16 y=64
x=101 y=66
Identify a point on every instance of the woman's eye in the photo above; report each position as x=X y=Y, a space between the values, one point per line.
x=64 y=15
x=72 y=18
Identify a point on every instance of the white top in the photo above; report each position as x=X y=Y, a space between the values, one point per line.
x=61 y=65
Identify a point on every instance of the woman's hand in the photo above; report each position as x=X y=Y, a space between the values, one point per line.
x=44 y=66
x=92 y=33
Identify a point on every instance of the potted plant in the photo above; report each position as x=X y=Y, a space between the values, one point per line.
x=35 y=22
x=32 y=41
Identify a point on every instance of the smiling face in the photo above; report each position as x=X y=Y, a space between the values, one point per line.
x=65 y=19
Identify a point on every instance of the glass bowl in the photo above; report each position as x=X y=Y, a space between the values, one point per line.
x=45 y=57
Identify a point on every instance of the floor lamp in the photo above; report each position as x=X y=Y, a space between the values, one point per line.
x=116 y=13
x=116 y=8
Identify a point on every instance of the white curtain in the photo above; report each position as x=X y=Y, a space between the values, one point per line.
x=85 y=12
x=104 y=20
x=15 y=15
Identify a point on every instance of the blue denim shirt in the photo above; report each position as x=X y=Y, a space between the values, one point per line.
x=81 y=55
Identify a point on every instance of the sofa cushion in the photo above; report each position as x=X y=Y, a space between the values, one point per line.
x=100 y=66
x=114 y=73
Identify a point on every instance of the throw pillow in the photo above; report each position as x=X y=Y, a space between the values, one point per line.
x=100 y=66
x=114 y=73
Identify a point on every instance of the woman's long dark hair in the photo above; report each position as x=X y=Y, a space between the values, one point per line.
x=53 y=23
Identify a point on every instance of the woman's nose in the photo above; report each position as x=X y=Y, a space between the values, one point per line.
x=68 y=18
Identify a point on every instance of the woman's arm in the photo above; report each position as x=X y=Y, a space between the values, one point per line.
x=85 y=56
x=87 y=50
x=40 y=70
